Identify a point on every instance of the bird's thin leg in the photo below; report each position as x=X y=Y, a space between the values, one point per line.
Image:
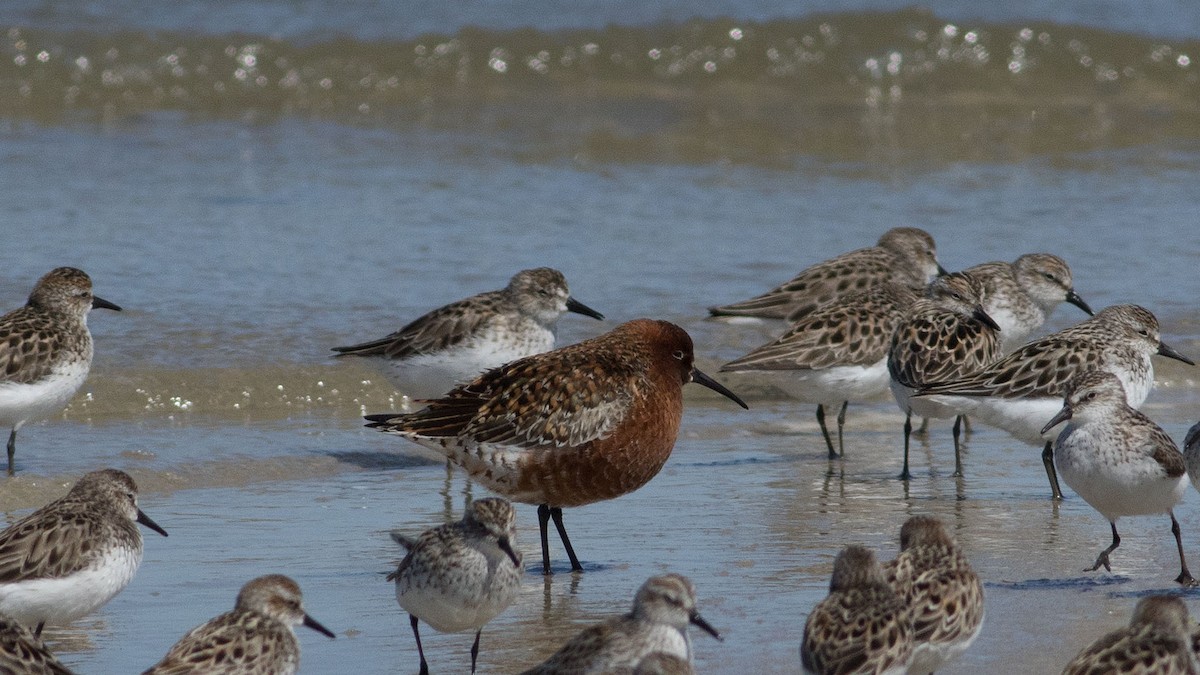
x=1102 y=559
x=825 y=430
x=1185 y=577
x=412 y=618
x=1048 y=461
x=957 y=448
x=905 y=475
x=12 y=449
x=842 y=423
x=556 y=514
x=543 y=522
x=475 y=650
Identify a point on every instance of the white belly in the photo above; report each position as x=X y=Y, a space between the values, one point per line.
x=61 y=601
x=831 y=386
x=21 y=403
x=465 y=597
x=1021 y=417
x=1113 y=484
x=930 y=407
x=930 y=657
x=432 y=375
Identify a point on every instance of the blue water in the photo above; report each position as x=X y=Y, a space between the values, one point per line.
x=246 y=230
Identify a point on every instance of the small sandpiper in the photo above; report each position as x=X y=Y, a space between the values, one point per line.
x=256 y=638
x=835 y=354
x=946 y=336
x=455 y=343
x=587 y=422
x=663 y=609
x=1155 y=641
x=71 y=556
x=1118 y=460
x=942 y=592
x=45 y=350
x=1021 y=295
x=459 y=576
x=904 y=255
x=862 y=626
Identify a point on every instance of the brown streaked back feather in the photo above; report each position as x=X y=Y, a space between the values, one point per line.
x=23 y=653
x=437 y=330
x=854 y=330
x=29 y=342
x=1156 y=642
x=862 y=626
x=526 y=403
x=1046 y=367
x=940 y=346
x=847 y=273
x=240 y=641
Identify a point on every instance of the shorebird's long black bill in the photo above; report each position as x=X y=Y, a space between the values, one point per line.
x=942 y=271
x=100 y=303
x=507 y=548
x=578 y=307
x=702 y=379
x=1062 y=416
x=145 y=520
x=1170 y=353
x=313 y=624
x=1074 y=299
x=987 y=320
x=705 y=626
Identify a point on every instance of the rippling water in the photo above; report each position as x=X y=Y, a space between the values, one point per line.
x=258 y=184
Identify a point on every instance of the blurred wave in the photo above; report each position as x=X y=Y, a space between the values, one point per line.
x=852 y=85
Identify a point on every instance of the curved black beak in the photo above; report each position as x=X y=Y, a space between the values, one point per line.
x=1062 y=416
x=983 y=317
x=1074 y=299
x=578 y=307
x=506 y=546
x=145 y=520
x=313 y=624
x=696 y=620
x=942 y=271
x=702 y=379
x=1170 y=353
x=100 y=303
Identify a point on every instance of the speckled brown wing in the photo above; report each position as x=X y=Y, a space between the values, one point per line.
x=943 y=593
x=855 y=330
x=526 y=404
x=27 y=346
x=47 y=543
x=1133 y=651
x=577 y=655
x=940 y=346
x=1042 y=368
x=21 y=653
x=234 y=643
x=856 y=631
x=442 y=328
x=1158 y=444
x=817 y=285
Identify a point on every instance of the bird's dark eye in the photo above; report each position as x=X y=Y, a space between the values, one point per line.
x=1089 y=396
x=677 y=354
x=1049 y=276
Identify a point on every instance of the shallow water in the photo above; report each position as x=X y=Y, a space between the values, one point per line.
x=247 y=228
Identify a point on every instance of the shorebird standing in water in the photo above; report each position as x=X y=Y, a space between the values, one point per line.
x=577 y=425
